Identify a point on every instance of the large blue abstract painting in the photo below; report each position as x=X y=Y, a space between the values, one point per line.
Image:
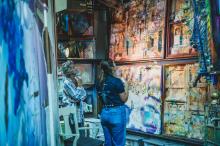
x=23 y=89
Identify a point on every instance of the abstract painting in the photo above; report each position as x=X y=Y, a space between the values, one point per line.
x=144 y=101
x=184 y=104
x=137 y=32
x=23 y=81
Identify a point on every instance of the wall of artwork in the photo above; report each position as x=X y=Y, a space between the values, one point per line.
x=23 y=83
x=164 y=32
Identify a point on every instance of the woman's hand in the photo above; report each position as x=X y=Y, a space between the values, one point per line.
x=124 y=95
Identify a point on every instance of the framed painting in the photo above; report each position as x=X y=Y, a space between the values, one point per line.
x=140 y=35
x=144 y=101
x=183 y=103
x=180 y=27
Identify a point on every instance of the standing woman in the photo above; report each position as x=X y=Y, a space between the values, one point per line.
x=114 y=93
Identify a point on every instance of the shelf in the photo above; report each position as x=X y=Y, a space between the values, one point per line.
x=61 y=60
x=184 y=87
x=175 y=101
x=65 y=37
x=79 y=10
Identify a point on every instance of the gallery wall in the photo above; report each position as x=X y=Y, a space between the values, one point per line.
x=153 y=43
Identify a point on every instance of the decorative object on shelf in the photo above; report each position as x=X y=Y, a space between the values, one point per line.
x=144 y=101
x=184 y=104
x=137 y=31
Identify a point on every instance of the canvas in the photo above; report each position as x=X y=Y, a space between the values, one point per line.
x=144 y=101
x=180 y=29
x=23 y=81
x=184 y=104
x=138 y=31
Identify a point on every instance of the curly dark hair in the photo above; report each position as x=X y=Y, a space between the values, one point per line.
x=106 y=66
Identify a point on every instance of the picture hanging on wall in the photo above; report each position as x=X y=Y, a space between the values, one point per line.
x=137 y=32
x=86 y=73
x=77 y=49
x=180 y=29
x=144 y=101
x=75 y=24
x=184 y=104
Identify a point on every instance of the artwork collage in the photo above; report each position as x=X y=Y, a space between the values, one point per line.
x=138 y=31
x=137 y=35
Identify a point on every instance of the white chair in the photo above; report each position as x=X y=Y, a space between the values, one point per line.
x=65 y=130
x=75 y=138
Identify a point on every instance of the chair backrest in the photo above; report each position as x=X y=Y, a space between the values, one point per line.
x=65 y=113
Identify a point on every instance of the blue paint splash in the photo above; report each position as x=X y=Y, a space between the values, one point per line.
x=13 y=36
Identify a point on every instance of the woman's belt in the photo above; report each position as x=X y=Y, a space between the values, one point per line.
x=111 y=105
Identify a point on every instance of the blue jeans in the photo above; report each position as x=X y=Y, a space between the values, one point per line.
x=113 y=122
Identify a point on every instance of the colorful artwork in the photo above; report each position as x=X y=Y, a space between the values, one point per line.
x=77 y=49
x=182 y=10
x=181 y=24
x=196 y=127
x=137 y=32
x=144 y=101
x=184 y=103
x=197 y=98
x=23 y=83
x=180 y=40
x=75 y=24
x=175 y=118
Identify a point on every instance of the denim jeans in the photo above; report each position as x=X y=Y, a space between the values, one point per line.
x=113 y=122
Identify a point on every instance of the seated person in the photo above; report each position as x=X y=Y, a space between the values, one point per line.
x=73 y=92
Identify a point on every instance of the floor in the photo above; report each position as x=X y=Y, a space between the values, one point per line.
x=140 y=141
